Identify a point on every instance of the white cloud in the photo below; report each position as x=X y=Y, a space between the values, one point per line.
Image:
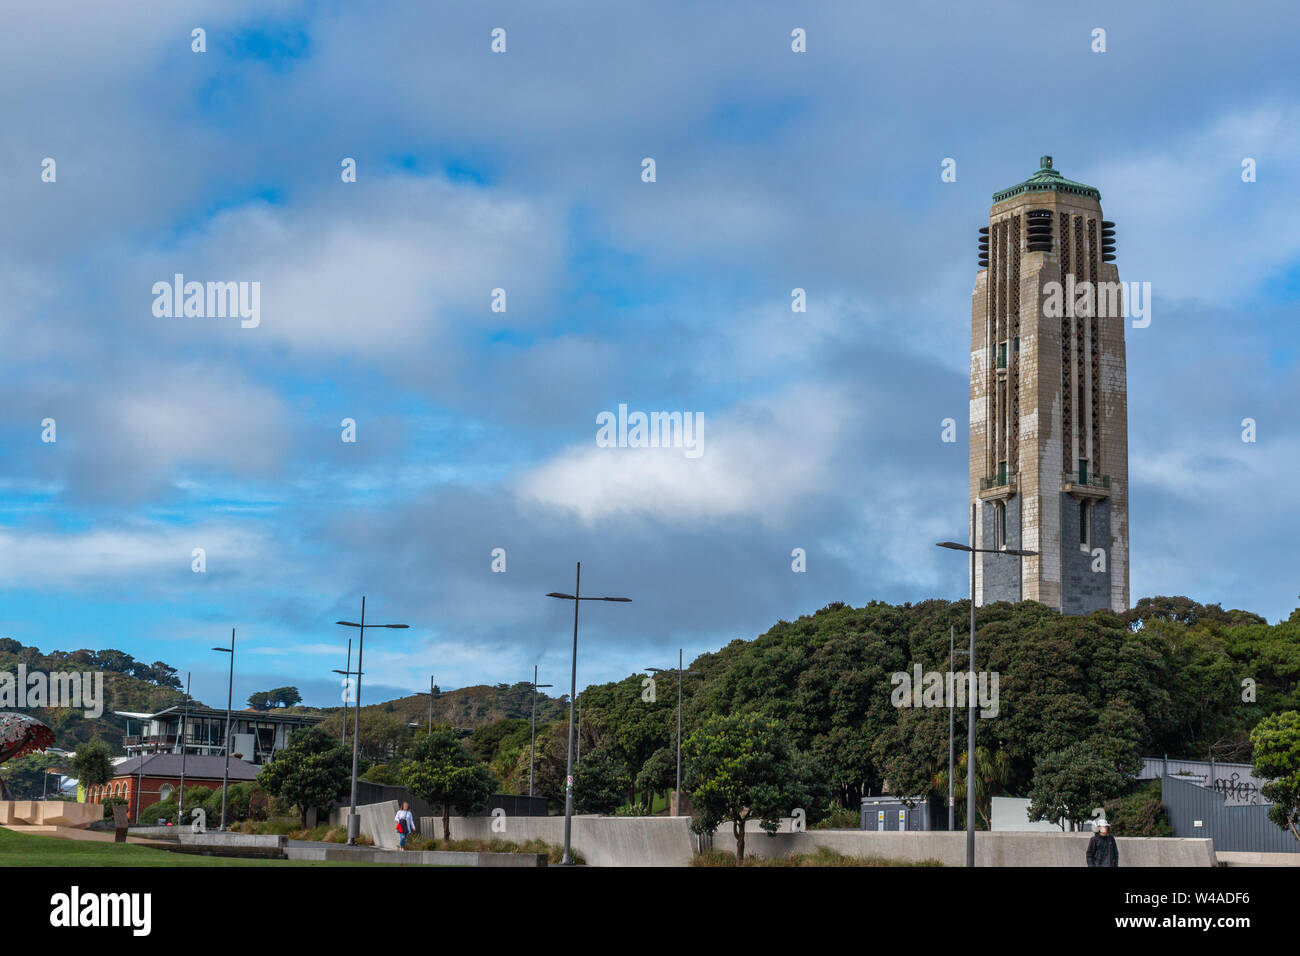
x=761 y=462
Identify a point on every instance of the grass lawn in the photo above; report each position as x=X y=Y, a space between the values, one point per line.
x=27 y=849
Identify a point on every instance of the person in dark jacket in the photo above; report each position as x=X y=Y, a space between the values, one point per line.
x=1102 y=848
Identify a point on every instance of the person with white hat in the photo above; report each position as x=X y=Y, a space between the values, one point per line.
x=1102 y=848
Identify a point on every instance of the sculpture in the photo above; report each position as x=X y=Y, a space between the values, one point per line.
x=21 y=734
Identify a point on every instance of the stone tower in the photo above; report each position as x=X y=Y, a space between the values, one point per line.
x=1048 y=400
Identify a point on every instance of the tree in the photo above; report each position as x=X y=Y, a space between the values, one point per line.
x=1069 y=784
x=93 y=764
x=284 y=696
x=658 y=774
x=1276 y=756
x=311 y=772
x=440 y=770
x=741 y=767
x=26 y=778
x=261 y=700
x=601 y=782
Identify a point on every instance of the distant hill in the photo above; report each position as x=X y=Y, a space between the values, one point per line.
x=128 y=685
x=132 y=685
x=466 y=708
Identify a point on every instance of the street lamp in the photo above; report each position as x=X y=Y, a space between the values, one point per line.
x=429 y=694
x=970 y=689
x=230 y=690
x=680 y=674
x=354 y=821
x=347 y=677
x=343 y=735
x=532 y=740
x=576 y=597
x=180 y=800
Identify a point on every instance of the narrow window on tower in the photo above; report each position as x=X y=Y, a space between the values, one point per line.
x=1085 y=513
x=1001 y=525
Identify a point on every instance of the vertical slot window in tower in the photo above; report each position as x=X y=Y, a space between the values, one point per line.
x=999 y=524
x=1085 y=536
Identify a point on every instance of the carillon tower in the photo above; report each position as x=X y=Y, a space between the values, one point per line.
x=1048 y=400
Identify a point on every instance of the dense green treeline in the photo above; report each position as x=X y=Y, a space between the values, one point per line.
x=1077 y=696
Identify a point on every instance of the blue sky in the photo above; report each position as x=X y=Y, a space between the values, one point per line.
x=522 y=171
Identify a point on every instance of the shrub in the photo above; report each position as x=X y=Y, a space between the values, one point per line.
x=838 y=818
x=1140 y=813
x=821 y=856
x=109 y=803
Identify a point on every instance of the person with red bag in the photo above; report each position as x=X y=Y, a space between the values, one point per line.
x=405 y=823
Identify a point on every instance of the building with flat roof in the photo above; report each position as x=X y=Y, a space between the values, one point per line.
x=255 y=735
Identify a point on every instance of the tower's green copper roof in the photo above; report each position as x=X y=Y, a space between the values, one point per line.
x=1045 y=179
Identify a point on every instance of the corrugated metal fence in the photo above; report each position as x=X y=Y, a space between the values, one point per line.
x=1234 y=829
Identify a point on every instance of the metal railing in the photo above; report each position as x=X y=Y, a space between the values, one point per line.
x=1088 y=481
x=998 y=481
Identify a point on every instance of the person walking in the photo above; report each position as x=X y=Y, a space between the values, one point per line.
x=405 y=822
x=1102 y=848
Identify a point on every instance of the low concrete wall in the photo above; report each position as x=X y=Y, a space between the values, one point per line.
x=342 y=853
x=377 y=822
x=1251 y=858
x=217 y=843
x=991 y=849
x=154 y=832
x=601 y=841
x=217 y=838
x=667 y=841
x=49 y=813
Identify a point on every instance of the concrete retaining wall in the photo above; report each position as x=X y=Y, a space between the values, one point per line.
x=1229 y=858
x=413 y=857
x=376 y=822
x=217 y=838
x=667 y=841
x=153 y=833
x=991 y=849
x=601 y=841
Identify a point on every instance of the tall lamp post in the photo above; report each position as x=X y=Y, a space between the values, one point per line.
x=347 y=698
x=343 y=736
x=429 y=694
x=180 y=800
x=532 y=740
x=680 y=674
x=230 y=690
x=971 y=704
x=354 y=821
x=576 y=597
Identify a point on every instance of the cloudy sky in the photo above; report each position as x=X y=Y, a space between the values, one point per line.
x=522 y=171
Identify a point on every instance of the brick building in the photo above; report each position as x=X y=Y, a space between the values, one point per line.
x=146 y=780
x=1049 y=401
